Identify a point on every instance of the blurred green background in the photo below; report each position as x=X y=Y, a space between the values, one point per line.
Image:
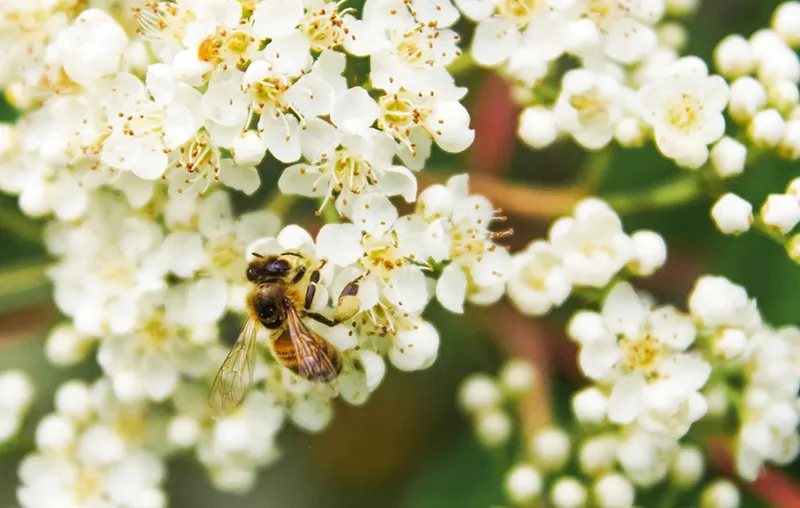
x=409 y=446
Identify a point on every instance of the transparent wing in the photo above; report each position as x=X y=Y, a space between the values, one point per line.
x=313 y=353
x=235 y=377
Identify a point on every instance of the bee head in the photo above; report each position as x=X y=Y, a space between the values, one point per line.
x=270 y=268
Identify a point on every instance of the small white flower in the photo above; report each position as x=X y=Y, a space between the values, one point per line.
x=721 y=494
x=732 y=214
x=789 y=147
x=786 y=22
x=642 y=353
x=598 y=454
x=92 y=47
x=589 y=107
x=592 y=245
x=590 y=405
x=517 y=376
x=645 y=458
x=493 y=427
x=538 y=281
x=715 y=301
x=688 y=465
x=458 y=231
x=685 y=108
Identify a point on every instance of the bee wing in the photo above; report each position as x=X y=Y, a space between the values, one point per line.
x=235 y=376
x=313 y=360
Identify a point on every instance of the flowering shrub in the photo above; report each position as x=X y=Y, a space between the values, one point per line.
x=142 y=127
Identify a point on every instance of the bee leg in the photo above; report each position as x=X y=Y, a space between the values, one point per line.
x=299 y=275
x=321 y=319
x=312 y=283
x=348 y=303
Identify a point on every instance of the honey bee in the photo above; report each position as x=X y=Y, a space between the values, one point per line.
x=282 y=294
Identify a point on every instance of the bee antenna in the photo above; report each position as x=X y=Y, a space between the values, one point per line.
x=292 y=254
x=256 y=254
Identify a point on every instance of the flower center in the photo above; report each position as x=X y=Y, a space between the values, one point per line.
x=467 y=240
x=641 y=354
x=591 y=107
x=324 y=29
x=162 y=21
x=685 y=112
x=226 y=257
x=602 y=11
x=520 y=10
x=268 y=91
x=88 y=484
x=381 y=255
x=226 y=45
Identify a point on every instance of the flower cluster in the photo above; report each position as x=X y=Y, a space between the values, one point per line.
x=586 y=250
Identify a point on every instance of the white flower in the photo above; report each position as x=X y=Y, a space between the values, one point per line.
x=478 y=392
x=734 y=56
x=384 y=246
x=685 y=108
x=721 y=493
x=92 y=47
x=538 y=281
x=767 y=128
x=592 y=245
x=16 y=395
x=650 y=253
x=747 y=97
x=625 y=26
x=589 y=107
x=643 y=354
x=716 y=302
x=551 y=448
x=645 y=457
x=458 y=231
x=688 y=465
x=786 y=22
x=538 y=25
x=568 y=493
x=415 y=345
x=590 y=405
x=111 y=261
x=732 y=214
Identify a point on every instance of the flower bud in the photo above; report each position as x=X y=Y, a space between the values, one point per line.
x=568 y=492
x=523 y=484
x=478 y=392
x=183 y=431
x=679 y=8
x=784 y=96
x=688 y=466
x=730 y=344
x=551 y=448
x=537 y=127
x=650 y=253
x=585 y=327
x=493 y=427
x=721 y=494
x=793 y=248
x=672 y=35
x=16 y=391
x=65 y=346
x=614 y=491
x=786 y=22
x=767 y=128
x=789 y=147
x=747 y=97
x=598 y=455
x=590 y=405
x=54 y=433
x=73 y=400
x=781 y=212
x=734 y=56
x=517 y=376
x=630 y=132
x=728 y=157
x=732 y=214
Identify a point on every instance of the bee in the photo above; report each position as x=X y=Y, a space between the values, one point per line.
x=282 y=295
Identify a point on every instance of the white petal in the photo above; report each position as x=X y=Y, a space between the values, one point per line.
x=276 y=18
x=494 y=41
x=374 y=213
x=290 y=54
x=598 y=357
x=623 y=311
x=398 y=181
x=294 y=237
x=160 y=83
x=225 y=103
x=206 y=300
x=318 y=140
x=340 y=243
x=304 y=180
x=626 y=399
x=243 y=178
x=408 y=289
x=185 y=253
x=354 y=110
x=281 y=136
x=451 y=289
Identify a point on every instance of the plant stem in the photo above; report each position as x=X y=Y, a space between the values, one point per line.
x=670 y=194
x=770 y=233
x=594 y=169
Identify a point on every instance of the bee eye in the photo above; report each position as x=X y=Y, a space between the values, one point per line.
x=279 y=267
x=253 y=274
